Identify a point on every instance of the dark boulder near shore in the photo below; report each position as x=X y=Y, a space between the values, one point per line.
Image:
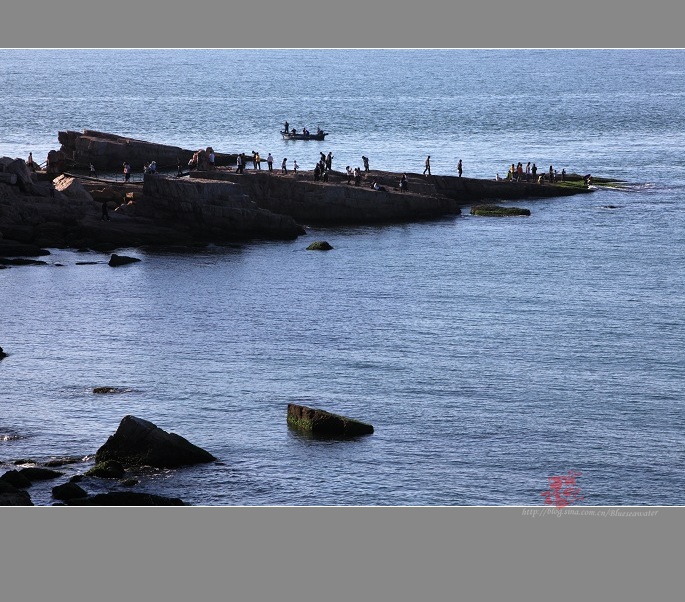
x=138 y=442
x=13 y=496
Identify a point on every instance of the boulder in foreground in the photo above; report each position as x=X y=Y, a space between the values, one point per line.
x=11 y=496
x=138 y=442
x=323 y=423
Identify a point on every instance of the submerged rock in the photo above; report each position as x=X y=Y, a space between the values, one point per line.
x=108 y=390
x=117 y=260
x=319 y=245
x=323 y=423
x=138 y=442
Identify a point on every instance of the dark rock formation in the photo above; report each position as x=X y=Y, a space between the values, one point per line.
x=109 y=469
x=310 y=201
x=323 y=423
x=36 y=473
x=108 y=390
x=109 y=151
x=63 y=461
x=68 y=491
x=11 y=496
x=117 y=260
x=468 y=190
x=138 y=442
x=2 y=353
x=21 y=261
x=125 y=498
x=498 y=211
x=10 y=248
x=319 y=245
x=216 y=209
x=20 y=171
x=16 y=479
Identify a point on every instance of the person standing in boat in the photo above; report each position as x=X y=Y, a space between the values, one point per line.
x=286 y=130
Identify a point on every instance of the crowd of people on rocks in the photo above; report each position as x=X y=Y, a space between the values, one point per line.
x=206 y=159
x=517 y=173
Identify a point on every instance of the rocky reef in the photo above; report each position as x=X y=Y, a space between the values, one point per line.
x=210 y=203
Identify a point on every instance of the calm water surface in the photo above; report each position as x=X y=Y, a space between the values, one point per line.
x=488 y=354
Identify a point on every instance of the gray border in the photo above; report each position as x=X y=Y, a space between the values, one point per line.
x=348 y=24
x=328 y=554
x=336 y=553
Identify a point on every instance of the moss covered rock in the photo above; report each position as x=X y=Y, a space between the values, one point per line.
x=323 y=423
x=109 y=469
x=319 y=245
x=498 y=211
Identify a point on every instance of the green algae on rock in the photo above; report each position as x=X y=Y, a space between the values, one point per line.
x=498 y=211
x=323 y=423
x=319 y=245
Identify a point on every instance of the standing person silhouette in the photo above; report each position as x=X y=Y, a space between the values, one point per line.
x=428 y=166
x=270 y=161
x=459 y=168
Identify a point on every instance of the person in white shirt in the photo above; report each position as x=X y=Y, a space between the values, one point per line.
x=270 y=161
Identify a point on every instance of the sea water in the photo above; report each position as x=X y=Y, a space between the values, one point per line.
x=490 y=354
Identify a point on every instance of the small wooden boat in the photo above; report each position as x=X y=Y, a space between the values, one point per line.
x=320 y=135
